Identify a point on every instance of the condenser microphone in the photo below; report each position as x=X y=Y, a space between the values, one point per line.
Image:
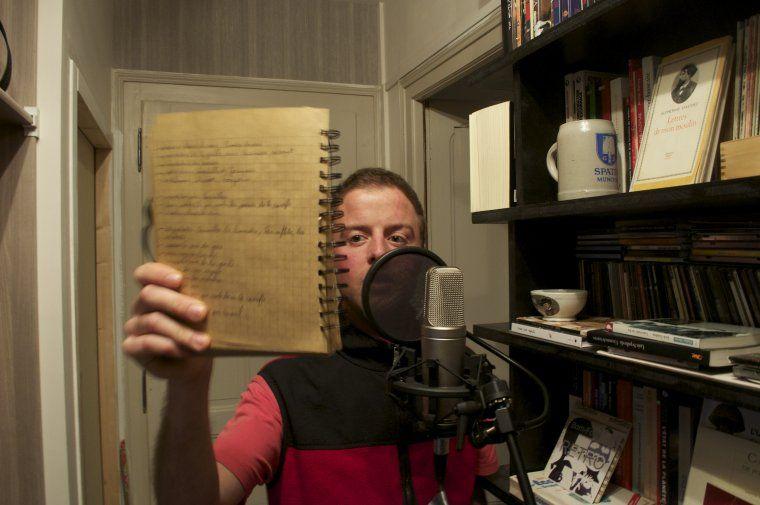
x=443 y=332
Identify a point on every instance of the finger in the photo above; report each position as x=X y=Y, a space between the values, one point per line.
x=158 y=273
x=160 y=324
x=156 y=298
x=145 y=348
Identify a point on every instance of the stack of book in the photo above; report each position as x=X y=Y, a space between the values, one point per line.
x=571 y=333
x=599 y=245
x=528 y=19
x=726 y=242
x=685 y=344
x=654 y=240
x=746 y=117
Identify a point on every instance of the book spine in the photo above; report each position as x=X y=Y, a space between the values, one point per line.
x=556 y=13
x=606 y=100
x=565 y=7
x=624 y=410
x=685 y=438
x=662 y=454
x=570 y=97
x=632 y=108
x=651 y=443
x=579 y=89
x=575 y=7
x=637 y=440
x=550 y=335
x=640 y=116
x=647 y=346
x=533 y=18
x=738 y=77
x=649 y=65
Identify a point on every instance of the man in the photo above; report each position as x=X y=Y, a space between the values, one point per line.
x=315 y=429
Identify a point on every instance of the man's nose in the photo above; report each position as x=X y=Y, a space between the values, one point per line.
x=377 y=249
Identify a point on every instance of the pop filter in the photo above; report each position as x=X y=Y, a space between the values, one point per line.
x=394 y=290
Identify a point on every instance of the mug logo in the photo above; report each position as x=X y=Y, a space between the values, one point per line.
x=605 y=148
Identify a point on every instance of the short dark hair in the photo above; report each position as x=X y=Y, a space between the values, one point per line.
x=374 y=177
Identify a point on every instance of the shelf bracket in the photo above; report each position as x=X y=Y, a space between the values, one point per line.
x=32 y=130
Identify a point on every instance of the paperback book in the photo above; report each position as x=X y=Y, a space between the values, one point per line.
x=696 y=334
x=548 y=492
x=587 y=451
x=662 y=352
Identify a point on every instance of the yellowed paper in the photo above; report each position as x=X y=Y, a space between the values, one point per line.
x=236 y=208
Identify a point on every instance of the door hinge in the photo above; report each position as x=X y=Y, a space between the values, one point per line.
x=139 y=149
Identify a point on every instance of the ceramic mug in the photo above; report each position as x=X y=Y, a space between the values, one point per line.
x=587 y=162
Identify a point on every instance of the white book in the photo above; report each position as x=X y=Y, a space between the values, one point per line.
x=724 y=469
x=551 y=335
x=618 y=94
x=489 y=158
x=696 y=334
x=680 y=136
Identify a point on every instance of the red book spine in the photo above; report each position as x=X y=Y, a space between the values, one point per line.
x=587 y=388
x=632 y=65
x=624 y=470
x=640 y=119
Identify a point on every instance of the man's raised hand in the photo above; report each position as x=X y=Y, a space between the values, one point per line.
x=160 y=334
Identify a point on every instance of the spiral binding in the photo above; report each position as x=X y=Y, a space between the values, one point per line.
x=331 y=314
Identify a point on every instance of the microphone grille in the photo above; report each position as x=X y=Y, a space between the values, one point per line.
x=444 y=297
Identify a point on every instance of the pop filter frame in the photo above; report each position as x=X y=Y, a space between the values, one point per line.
x=377 y=266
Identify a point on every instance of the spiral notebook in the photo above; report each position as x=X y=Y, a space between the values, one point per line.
x=244 y=204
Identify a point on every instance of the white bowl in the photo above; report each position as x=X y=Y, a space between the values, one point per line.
x=559 y=304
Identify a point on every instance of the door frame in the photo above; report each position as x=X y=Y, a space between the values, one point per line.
x=85 y=115
x=136 y=433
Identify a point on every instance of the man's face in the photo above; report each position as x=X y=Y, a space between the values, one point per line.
x=377 y=219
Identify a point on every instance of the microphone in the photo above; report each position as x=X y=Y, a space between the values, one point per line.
x=443 y=331
x=443 y=340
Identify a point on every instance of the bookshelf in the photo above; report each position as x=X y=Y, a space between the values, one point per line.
x=542 y=231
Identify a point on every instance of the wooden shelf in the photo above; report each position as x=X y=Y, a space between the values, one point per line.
x=13 y=113
x=731 y=194
x=682 y=381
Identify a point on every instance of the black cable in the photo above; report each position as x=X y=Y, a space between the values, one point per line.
x=537 y=421
x=522 y=475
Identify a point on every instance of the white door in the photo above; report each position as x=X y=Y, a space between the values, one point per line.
x=480 y=251
x=353 y=110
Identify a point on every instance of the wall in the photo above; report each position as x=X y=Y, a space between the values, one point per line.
x=20 y=426
x=312 y=40
x=414 y=30
x=88 y=32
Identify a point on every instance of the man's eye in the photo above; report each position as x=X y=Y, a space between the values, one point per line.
x=398 y=239
x=355 y=239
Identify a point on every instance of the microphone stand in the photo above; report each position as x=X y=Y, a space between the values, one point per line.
x=484 y=409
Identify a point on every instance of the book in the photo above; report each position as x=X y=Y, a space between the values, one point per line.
x=490 y=158
x=649 y=66
x=587 y=451
x=618 y=96
x=724 y=469
x=548 y=492
x=695 y=334
x=644 y=348
x=679 y=141
x=728 y=418
x=578 y=327
x=227 y=225
x=559 y=337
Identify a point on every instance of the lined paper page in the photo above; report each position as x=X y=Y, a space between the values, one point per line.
x=236 y=208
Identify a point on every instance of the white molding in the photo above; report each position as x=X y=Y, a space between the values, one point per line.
x=54 y=336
